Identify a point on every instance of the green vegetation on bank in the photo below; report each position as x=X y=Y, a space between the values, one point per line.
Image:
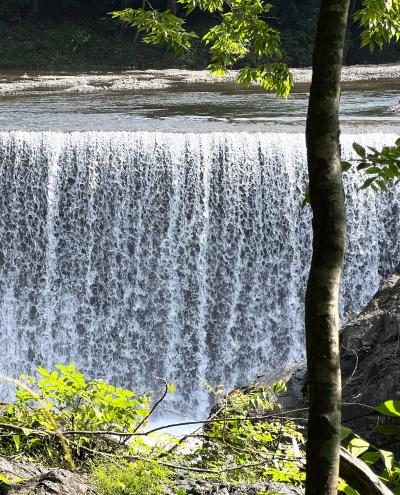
x=61 y=419
x=79 y=34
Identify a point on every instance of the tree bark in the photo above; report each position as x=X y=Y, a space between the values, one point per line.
x=329 y=245
x=35 y=8
x=171 y=5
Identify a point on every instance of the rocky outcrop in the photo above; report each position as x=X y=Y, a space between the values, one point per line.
x=37 y=480
x=370 y=350
x=370 y=361
x=44 y=481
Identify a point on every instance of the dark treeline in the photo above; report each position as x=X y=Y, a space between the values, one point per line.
x=79 y=34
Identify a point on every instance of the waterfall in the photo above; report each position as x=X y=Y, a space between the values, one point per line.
x=137 y=255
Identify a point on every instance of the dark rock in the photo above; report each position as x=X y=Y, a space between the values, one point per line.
x=294 y=375
x=41 y=481
x=370 y=357
x=370 y=361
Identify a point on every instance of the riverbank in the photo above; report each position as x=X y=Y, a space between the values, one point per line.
x=14 y=82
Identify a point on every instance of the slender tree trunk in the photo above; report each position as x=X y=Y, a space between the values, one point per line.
x=136 y=38
x=329 y=244
x=35 y=8
x=171 y=5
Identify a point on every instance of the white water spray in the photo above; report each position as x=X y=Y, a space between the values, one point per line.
x=185 y=256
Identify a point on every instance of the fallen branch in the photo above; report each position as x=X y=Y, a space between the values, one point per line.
x=359 y=476
x=189 y=468
x=183 y=423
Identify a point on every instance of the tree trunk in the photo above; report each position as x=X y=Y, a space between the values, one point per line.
x=329 y=245
x=136 y=38
x=35 y=8
x=171 y=5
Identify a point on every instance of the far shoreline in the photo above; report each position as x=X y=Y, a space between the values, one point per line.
x=16 y=81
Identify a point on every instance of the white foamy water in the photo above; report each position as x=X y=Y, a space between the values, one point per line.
x=138 y=255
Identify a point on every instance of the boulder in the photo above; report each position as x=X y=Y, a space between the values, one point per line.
x=37 y=480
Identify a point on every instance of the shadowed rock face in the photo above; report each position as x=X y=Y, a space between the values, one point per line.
x=370 y=346
x=370 y=361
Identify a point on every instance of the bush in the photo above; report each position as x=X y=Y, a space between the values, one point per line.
x=127 y=478
x=64 y=401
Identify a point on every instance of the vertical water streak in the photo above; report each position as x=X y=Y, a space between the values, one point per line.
x=139 y=255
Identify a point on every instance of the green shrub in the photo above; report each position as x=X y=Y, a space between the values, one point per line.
x=64 y=401
x=253 y=437
x=127 y=478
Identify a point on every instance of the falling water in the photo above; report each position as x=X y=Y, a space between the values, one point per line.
x=139 y=255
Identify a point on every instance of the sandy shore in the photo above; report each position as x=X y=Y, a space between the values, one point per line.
x=13 y=83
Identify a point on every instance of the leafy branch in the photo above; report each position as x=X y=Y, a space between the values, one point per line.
x=243 y=31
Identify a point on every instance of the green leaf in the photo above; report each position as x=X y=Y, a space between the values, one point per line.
x=345 y=432
x=370 y=457
x=388 y=430
x=17 y=442
x=360 y=150
x=358 y=446
x=4 y=479
x=346 y=166
x=368 y=182
x=43 y=371
x=347 y=489
x=388 y=459
x=389 y=408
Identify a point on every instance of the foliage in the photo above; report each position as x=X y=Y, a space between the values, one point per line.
x=380 y=20
x=247 y=438
x=270 y=448
x=382 y=167
x=120 y=477
x=68 y=402
x=389 y=408
x=160 y=27
x=242 y=32
x=381 y=460
x=10 y=481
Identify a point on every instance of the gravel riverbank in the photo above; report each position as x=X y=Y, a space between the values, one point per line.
x=15 y=83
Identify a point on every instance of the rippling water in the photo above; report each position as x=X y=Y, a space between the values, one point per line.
x=180 y=106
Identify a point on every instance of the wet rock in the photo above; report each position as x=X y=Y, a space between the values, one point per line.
x=370 y=357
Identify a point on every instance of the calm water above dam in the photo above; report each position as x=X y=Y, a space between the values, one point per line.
x=126 y=102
